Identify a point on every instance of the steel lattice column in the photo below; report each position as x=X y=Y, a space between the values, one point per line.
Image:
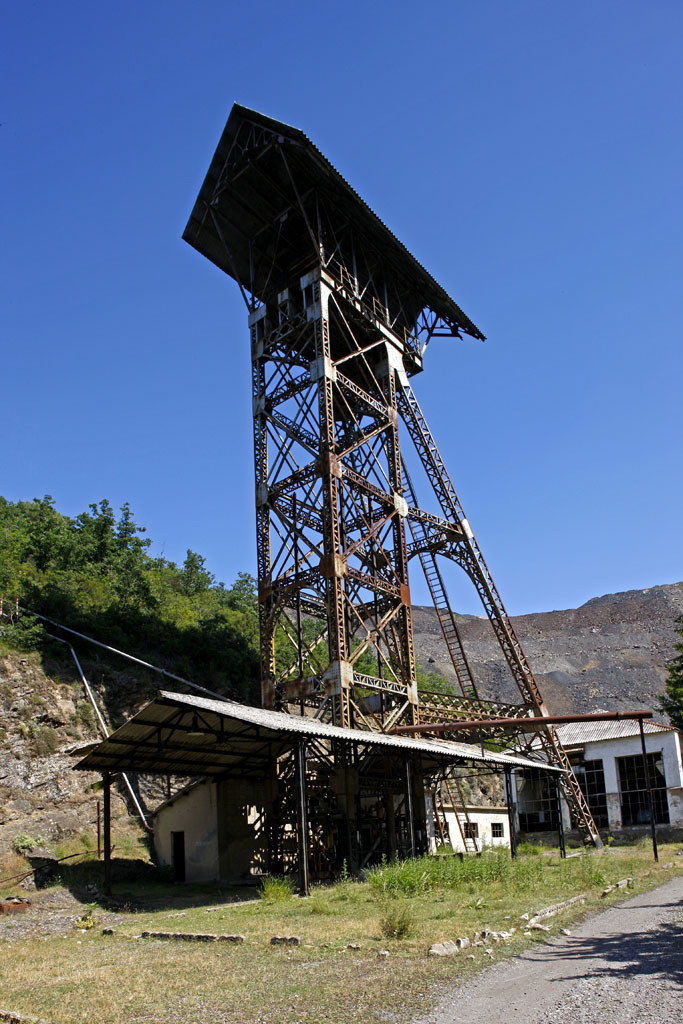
x=330 y=512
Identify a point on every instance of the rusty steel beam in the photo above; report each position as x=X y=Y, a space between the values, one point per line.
x=520 y=724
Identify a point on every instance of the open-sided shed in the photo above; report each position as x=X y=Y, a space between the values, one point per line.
x=290 y=787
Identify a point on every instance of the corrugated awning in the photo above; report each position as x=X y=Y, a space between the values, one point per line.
x=177 y=734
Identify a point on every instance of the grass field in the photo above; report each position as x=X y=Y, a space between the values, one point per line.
x=85 y=977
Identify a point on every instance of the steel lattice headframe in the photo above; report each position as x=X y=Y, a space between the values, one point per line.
x=340 y=315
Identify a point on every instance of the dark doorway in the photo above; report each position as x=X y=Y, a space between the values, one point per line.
x=178 y=856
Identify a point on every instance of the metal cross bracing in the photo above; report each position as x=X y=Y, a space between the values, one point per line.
x=340 y=315
x=335 y=617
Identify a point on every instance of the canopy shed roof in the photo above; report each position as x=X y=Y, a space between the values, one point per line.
x=246 y=222
x=594 y=732
x=177 y=734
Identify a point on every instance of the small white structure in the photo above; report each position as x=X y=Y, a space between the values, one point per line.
x=607 y=759
x=475 y=827
x=212 y=830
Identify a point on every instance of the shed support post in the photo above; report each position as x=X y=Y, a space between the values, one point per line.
x=560 y=823
x=650 y=801
x=511 y=812
x=302 y=817
x=106 y=780
x=409 y=806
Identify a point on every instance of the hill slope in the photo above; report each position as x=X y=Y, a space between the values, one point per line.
x=609 y=654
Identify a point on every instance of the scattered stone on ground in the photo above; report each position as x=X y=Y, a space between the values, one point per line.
x=624 y=883
x=285 y=940
x=442 y=949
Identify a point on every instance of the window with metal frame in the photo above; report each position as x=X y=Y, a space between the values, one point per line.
x=633 y=790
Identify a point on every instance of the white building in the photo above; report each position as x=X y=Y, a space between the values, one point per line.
x=478 y=828
x=607 y=759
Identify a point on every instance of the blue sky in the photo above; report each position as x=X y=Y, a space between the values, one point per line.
x=528 y=153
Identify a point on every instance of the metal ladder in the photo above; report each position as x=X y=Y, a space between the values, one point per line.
x=467 y=553
x=440 y=819
x=465 y=824
x=437 y=590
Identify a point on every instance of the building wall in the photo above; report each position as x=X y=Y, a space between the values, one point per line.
x=666 y=743
x=194 y=813
x=242 y=805
x=484 y=817
x=222 y=825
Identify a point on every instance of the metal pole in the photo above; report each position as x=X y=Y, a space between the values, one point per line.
x=409 y=805
x=302 y=817
x=299 y=652
x=560 y=823
x=651 y=803
x=106 y=779
x=511 y=813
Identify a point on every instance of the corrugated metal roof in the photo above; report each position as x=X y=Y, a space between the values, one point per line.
x=441 y=301
x=590 y=732
x=187 y=735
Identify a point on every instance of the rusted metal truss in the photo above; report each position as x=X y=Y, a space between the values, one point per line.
x=336 y=626
x=340 y=315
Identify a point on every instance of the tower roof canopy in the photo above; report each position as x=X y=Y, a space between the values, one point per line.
x=255 y=215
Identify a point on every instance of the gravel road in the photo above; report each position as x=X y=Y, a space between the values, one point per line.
x=621 y=966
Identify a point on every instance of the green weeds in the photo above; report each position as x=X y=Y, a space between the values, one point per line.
x=397 y=921
x=274 y=889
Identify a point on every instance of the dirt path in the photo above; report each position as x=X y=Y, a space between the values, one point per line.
x=622 y=966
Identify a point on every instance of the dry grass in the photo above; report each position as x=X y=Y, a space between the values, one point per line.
x=86 y=977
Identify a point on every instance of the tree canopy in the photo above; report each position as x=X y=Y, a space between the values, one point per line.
x=672 y=699
x=94 y=573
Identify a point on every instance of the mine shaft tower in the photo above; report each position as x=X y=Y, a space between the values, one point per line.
x=340 y=315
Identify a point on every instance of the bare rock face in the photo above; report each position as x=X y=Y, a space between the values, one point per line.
x=44 y=718
x=608 y=655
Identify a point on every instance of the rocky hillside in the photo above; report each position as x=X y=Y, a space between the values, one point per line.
x=610 y=654
x=44 y=718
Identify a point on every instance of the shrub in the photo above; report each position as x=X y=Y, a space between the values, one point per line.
x=530 y=850
x=84 y=715
x=44 y=739
x=318 y=904
x=275 y=889
x=24 y=843
x=397 y=921
x=591 y=872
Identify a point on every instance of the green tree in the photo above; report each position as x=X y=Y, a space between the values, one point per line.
x=195 y=577
x=672 y=700
x=94 y=573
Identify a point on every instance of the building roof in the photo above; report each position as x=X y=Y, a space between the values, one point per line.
x=251 y=195
x=578 y=733
x=179 y=734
